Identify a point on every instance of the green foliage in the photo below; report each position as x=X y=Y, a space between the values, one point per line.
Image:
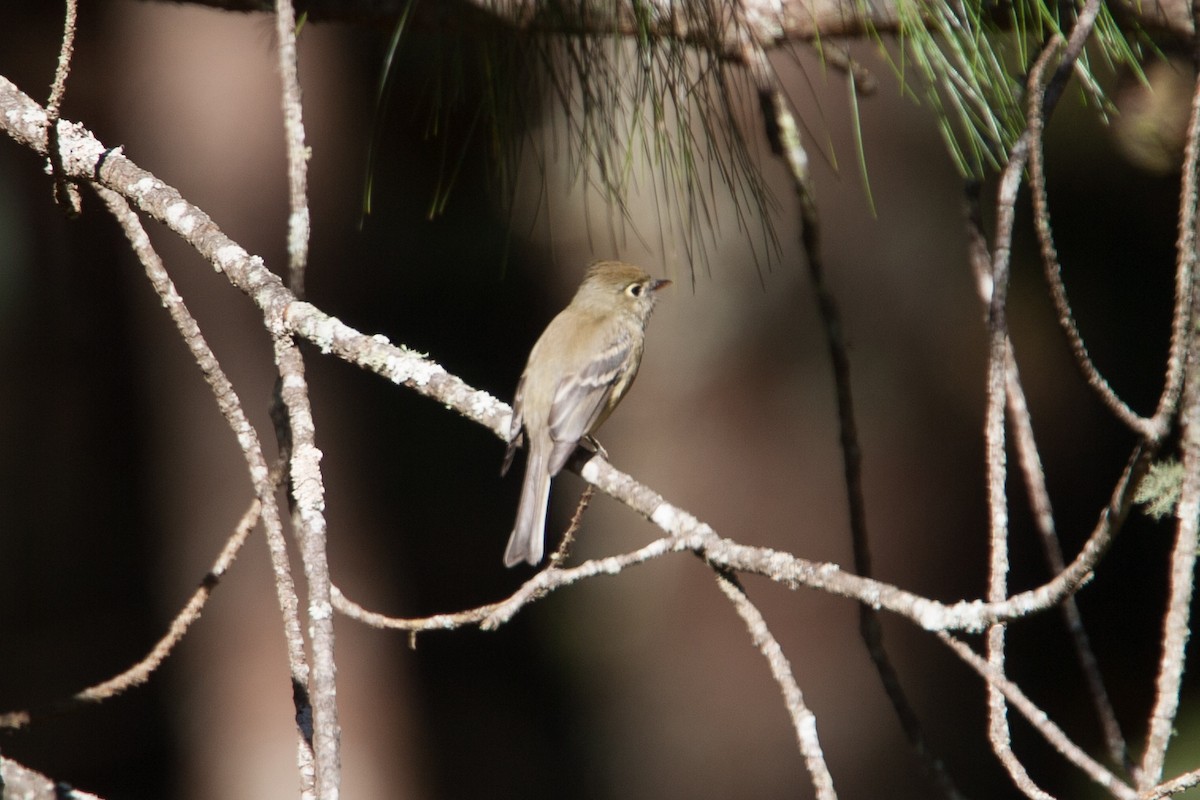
x=632 y=102
x=1159 y=489
x=971 y=57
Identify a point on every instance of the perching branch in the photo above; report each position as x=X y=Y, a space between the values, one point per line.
x=87 y=159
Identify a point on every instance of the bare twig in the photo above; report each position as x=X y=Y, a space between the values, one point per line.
x=1040 y=721
x=999 y=379
x=1185 y=269
x=231 y=408
x=1052 y=268
x=994 y=290
x=804 y=722
x=997 y=498
x=1183 y=558
x=1176 y=624
x=568 y=538
x=140 y=672
x=65 y=192
x=1039 y=498
x=1174 y=786
x=1035 y=482
x=1018 y=157
x=297 y=151
x=493 y=615
x=686 y=533
x=17 y=781
x=298 y=432
x=790 y=20
x=308 y=493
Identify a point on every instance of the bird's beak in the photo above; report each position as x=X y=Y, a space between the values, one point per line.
x=656 y=285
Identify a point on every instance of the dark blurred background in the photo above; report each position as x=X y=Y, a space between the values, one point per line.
x=120 y=481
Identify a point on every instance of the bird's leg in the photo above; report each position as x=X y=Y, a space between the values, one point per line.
x=589 y=442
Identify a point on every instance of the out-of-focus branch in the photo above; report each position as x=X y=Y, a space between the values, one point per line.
x=1177 y=621
x=782 y=20
x=784 y=136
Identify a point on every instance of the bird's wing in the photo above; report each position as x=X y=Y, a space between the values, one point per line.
x=514 y=428
x=583 y=397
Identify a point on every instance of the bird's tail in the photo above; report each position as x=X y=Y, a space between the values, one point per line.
x=527 y=541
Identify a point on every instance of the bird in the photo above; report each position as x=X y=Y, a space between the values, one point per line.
x=579 y=369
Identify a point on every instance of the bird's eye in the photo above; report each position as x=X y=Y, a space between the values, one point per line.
x=634 y=290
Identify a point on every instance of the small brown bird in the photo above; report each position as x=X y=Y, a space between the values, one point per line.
x=580 y=368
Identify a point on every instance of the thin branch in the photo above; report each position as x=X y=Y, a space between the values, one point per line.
x=1182 y=783
x=140 y=672
x=999 y=379
x=18 y=781
x=231 y=408
x=804 y=722
x=690 y=534
x=997 y=500
x=493 y=615
x=1039 y=498
x=994 y=289
x=1040 y=721
x=66 y=50
x=1185 y=267
x=784 y=136
x=784 y=21
x=998 y=567
x=65 y=192
x=1176 y=623
x=297 y=151
x=1018 y=157
x=1035 y=483
x=308 y=493
x=568 y=538
x=297 y=441
x=1052 y=269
